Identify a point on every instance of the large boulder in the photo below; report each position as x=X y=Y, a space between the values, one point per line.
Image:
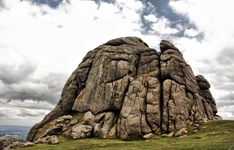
x=81 y=131
x=127 y=90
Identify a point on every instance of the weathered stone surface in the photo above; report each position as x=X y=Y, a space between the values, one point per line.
x=168 y=135
x=42 y=140
x=126 y=90
x=48 y=139
x=53 y=140
x=134 y=109
x=181 y=132
x=81 y=131
x=165 y=45
x=55 y=130
x=176 y=106
x=105 y=125
x=109 y=77
x=217 y=117
x=7 y=142
x=174 y=67
x=205 y=92
x=73 y=122
x=148 y=136
x=18 y=145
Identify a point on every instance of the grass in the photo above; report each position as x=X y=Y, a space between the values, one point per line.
x=215 y=135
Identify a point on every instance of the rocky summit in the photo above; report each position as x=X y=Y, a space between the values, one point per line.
x=124 y=89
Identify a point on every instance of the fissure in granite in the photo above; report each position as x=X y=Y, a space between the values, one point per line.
x=127 y=90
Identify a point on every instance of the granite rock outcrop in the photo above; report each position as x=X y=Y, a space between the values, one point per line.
x=124 y=89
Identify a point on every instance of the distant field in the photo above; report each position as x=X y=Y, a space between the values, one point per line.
x=14 y=131
x=215 y=135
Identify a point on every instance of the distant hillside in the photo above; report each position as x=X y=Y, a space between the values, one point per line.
x=14 y=131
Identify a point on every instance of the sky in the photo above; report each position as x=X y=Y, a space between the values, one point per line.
x=43 y=41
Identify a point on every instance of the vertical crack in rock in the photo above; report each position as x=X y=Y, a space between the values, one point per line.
x=125 y=89
x=146 y=107
x=161 y=96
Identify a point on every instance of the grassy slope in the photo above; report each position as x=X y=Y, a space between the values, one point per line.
x=213 y=135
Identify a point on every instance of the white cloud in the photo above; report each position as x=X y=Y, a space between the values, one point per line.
x=162 y=26
x=150 y=18
x=227 y=112
x=135 y=5
x=191 y=32
x=210 y=17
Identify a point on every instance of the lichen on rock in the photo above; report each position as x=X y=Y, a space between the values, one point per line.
x=126 y=90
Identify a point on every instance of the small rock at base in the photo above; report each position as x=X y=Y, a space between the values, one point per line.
x=53 y=140
x=148 y=136
x=181 y=132
x=81 y=131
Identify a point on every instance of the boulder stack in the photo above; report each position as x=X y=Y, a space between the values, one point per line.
x=124 y=89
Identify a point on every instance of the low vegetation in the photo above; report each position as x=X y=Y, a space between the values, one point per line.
x=215 y=135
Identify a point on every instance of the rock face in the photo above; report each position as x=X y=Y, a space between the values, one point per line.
x=13 y=143
x=125 y=89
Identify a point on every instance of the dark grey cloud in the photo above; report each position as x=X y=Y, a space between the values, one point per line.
x=31 y=112
x=23 y=95
x=225 y=57
x=10 y=74
x=46 y=88
x=56 y=81
x=2 y=114
x=51 y=3
x=224 y=103
x=229 y=96
x=221 y=73
x=222 y=66
x=1 y=5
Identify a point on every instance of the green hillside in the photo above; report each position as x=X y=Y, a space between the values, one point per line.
x=215 y=135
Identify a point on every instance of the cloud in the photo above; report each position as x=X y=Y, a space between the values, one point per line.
x=191 y=32
x=3 y=114
x=47 y=88
x=10 y=74
x=19 y=116
x=23 y=113
x=30 y=112
x=160 y=25
x=29 y=104
x=150 y=18
x=214 y=24
x=227 y=112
